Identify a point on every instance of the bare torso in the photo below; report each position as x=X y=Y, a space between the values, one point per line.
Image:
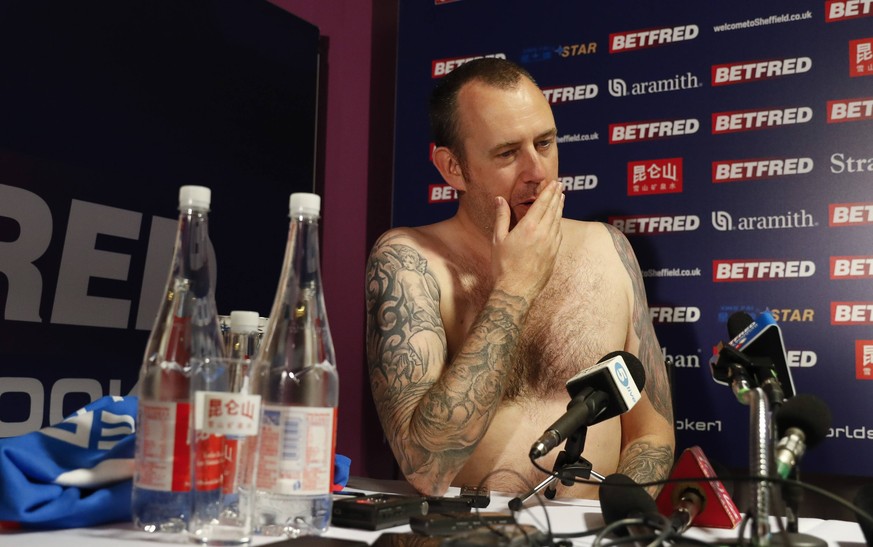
x=582 y=314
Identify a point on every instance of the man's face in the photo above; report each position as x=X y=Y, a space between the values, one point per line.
x=510 y=149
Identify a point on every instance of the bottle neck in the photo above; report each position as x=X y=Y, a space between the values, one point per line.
x=194 y=259
x=304 y=230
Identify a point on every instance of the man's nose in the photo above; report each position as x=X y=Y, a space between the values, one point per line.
x=534 y=166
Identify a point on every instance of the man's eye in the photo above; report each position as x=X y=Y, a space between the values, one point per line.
x=507 y=154
x=545 y=144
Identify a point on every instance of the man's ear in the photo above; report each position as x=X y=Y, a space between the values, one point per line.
x=450 y=168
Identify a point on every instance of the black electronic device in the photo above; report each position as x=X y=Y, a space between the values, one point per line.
x=447 y=524
x=377 y=511
x=477 y=496
x=437 y=504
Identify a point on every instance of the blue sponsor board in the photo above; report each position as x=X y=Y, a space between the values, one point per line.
x=717 y=137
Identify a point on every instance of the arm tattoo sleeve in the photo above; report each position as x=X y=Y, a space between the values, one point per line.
x=650 y=352
x=433 y=413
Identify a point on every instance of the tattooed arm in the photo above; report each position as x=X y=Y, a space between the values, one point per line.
x=435 y=412
x=648 y=439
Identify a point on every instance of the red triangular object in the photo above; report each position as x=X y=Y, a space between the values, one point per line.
x=719 y=510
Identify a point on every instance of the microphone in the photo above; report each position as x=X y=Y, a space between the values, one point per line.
x=621 y=497
x=803 y=421
x=603 y=391
x=696 y=501
x=760 y=340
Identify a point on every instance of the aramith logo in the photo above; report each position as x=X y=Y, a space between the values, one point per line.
x=752 y=71
x=760 y=270
x=654 y=224
x=620 y=42
x=735 y=170
x=620 y=88
x=649 y=130
x=725 y=222
x=840 y=10
x=751 y=120
x=650 y=177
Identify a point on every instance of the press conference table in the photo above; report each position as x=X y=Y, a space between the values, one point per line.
x=565 y=515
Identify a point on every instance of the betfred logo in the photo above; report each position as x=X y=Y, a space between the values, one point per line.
x=645 y=224
x=850 y=110
x=441 y=193
x=760 y=270
x=753 y=169
x=851 y=313
x=649 y=177
x=753 y=71
x=861 y=57
x=578 y=182
x=864 y=359
x=850 y=214
x=676 y=314
x=852 y=267
x=621 y=42
x=649 y=130
x=841 y=10
x=441 y=67
x=750 y=120
x=566 y=94
x=801 y=358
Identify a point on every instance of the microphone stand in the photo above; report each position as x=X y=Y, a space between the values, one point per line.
x=569 y=465
x=760 y=455
x=761 y=458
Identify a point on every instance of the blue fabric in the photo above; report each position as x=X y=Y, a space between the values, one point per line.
x=73 y=473
x=79 y=472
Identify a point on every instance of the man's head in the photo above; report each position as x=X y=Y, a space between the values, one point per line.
x=444 y=117
x=495 y=136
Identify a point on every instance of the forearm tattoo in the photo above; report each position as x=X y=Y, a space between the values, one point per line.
x=645 y=462
x=650 y=352
x=434 y=421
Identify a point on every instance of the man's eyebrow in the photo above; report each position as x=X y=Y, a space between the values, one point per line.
x=508 y=144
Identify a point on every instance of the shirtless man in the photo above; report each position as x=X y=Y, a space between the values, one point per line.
x=476 y=323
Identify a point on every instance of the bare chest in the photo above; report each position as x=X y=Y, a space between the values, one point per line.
x=580 y=316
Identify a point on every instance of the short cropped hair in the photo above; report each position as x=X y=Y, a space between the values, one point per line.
x=444 y=122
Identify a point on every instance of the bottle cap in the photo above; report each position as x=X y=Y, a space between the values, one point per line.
x=243 y=321
x=304 y=203
x=195 y=197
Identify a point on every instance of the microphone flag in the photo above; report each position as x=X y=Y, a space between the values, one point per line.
x=718 y=511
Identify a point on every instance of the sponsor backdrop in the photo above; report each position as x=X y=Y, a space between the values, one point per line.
x=104 y=113
x=730 y=142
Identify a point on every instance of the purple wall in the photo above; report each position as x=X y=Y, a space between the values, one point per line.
x=356 y=168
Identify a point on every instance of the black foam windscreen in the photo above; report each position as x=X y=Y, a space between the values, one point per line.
x=621 y=497
x=806 y=412
x=737 y=323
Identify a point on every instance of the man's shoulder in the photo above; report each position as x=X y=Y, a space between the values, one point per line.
x=417 y=237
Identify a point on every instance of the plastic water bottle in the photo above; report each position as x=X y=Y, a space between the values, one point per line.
x=186 y=327
x=295 y=374
x=243 y=338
